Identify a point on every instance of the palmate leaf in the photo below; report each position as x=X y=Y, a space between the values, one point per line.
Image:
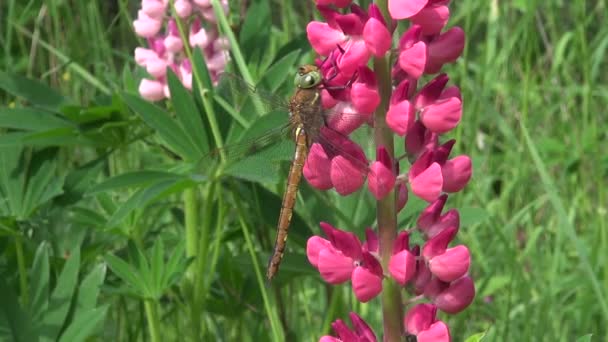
x=57 y=314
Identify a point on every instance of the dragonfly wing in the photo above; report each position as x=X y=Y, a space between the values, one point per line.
x=237 y=91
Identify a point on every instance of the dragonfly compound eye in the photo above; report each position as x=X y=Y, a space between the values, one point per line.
x=309 y=80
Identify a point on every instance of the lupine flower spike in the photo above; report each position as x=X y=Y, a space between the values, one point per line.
x=419 y=113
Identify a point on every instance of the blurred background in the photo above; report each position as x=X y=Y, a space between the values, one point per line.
x=534 y=86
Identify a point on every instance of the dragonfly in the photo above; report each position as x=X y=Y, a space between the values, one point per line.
x=307 y=124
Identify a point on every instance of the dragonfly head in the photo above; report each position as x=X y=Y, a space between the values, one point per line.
x=308 y=76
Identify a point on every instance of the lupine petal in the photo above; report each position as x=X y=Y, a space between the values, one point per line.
x=314 y=246
x=346 y=242
x=317 y=166
x=445 y=49
x=355 y=55
x=145 y=26
x=432 y=19
x=371 y=241
x=366 y=284
x=183 y=8
x=346 y=177
x=381 y=180
x=364 y=95
x=151 y=90
x=400 y=117
x=403 y=9
x=334 y=267
x=157 y=67
x=153 y=8
x=337 y=3
x=442 y=116
x=413 y=59
x=419 y=318
x=344 y=118
x=377 y=38
x=456 y=173
x=428 y=184
x=431 y=213
x=402 y=266
x=437 y=332
x=365 y=333
x=439 y=243
x=343 y=331
x=323 y=38
x=452 y=264
x=457 y=296
x=431 y=91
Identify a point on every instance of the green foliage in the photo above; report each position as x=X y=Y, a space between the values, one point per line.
x=68 y=311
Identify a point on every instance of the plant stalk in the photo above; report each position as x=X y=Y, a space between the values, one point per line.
x=153 y=321
x=23 y=285
x=392 y=312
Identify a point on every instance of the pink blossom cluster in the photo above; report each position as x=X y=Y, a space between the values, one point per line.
x=155 y=23
x=421 y=108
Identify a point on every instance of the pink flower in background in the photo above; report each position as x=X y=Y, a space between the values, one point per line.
x=166 y=48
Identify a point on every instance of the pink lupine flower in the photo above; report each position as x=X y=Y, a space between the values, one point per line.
x=402 y=265
x=419 y=139
x=381 y=178
x=421 y=322
x=361 y=332
x=432 y=19
x=402 y=196
x=413 y=52
x=166 y=50
x=431 y=222
x=403 y=9
x=446 y=48
x=425 y=177
x=343 y=257
x=451 y=297
x=351 y=34
x=327 y=169
x=440 y=110
x=401 y=113
x=447 y=264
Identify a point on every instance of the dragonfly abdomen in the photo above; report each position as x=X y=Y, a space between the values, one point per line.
x=289 y=201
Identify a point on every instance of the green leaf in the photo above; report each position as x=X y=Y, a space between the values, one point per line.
x=84 y=325
x=254 y=33
x=60 y=300
x=128 y=274
x=281 y=70
x=143 y=197
x=39 y=275
x=133 y=179
x=585 y=338
x=200 y=69
x=187 y=113
x=89 y=289
x=476 y=337
x=33 y=91
x=43 y=184
x=19 y=323
x=157 y=266
x=173 y=135
x=31 y=119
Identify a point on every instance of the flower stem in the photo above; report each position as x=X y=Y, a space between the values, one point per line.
x=25 y=298
x=386 y=212
x=191 y=222
x=153 y=322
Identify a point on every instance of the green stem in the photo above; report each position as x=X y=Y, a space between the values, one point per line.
x=153 y=321
x=25 y=297
x=192 y=223
x=392 y=312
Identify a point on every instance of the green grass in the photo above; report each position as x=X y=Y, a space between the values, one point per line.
x=535 y=91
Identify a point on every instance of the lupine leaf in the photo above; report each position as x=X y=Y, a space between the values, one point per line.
x=281 y=70
x=31 y=119
x=187 y=113
x=39 y=275
x=84 y=324
x=174 y=136
x=33 y=91
x=133 y=179
x=61 y=297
